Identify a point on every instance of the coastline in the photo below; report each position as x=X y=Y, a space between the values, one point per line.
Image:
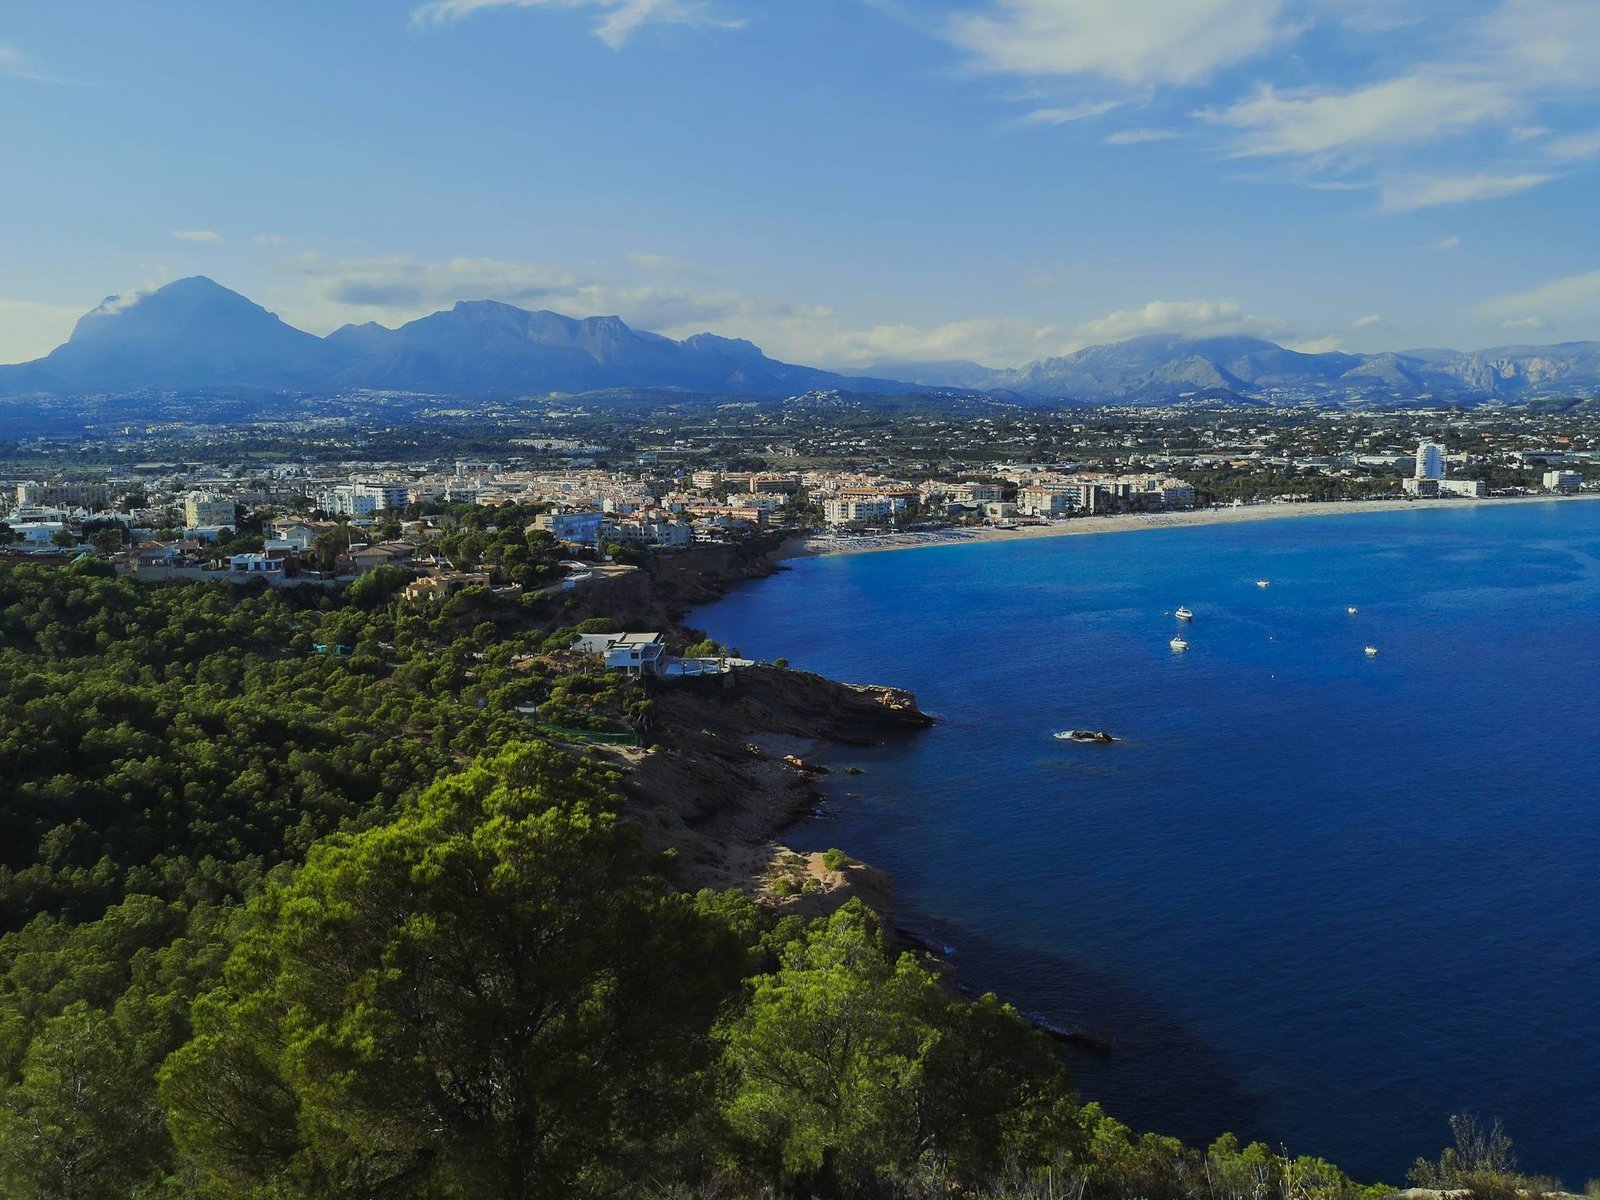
x=817 y=545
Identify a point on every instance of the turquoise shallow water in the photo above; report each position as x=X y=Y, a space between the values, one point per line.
x=1313 y=897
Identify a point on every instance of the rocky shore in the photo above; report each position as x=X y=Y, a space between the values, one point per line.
x=730 y=770
x=728 y=767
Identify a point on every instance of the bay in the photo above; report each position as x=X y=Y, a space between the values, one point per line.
x=1312 y=896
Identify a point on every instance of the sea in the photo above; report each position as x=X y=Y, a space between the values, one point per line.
x=1317 y=897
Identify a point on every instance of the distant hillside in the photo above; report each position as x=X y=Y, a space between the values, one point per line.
x=196 y=335
x=1161 y=368
x=1165 y=368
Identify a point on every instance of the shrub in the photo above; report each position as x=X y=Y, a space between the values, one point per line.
x=835 y=859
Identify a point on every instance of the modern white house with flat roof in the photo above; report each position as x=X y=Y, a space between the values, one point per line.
x=634 y=653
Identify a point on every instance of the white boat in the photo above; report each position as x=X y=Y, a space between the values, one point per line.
x=1351 y=609
x=1178 y=643
x=1183 y=613
x=1372 y=652
x=1263 y=583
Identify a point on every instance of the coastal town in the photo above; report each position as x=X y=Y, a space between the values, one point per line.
x=611 y=488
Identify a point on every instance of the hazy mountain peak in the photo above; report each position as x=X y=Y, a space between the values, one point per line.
x=194 y=299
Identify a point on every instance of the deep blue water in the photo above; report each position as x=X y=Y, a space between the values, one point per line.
x=1313 y=897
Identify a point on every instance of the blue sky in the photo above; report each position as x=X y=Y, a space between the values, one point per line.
x=842 y=181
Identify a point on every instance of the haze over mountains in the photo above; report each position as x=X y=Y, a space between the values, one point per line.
x=195 y=334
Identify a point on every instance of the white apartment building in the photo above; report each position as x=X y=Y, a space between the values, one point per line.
x=857 y=510
x=1563 y=481
x=363 y=499
x=60 y=494
x=1430 y=460
x=1058 y=499
x=972 y=492
x=203 y=510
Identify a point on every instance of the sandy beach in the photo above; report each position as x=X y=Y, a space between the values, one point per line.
x=820 y=544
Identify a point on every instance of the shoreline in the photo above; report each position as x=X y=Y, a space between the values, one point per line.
x=818 y=546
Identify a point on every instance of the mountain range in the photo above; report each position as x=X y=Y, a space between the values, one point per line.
x=1161 y=368
x=195 y=334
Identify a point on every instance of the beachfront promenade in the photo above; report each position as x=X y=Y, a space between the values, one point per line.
x=820 y=544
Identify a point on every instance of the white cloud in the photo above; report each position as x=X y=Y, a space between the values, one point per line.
x=1453 y=242
x=204 y=236
x=1062 y=116
x=1472 y=72
x=1195 y=318
x=29 y=330
x=664 y=264
x=399 y=287
x=1325 y=124
x=1320 y=345
x=1576 y=147
x=1367 y=322
x=991 y=341
x=1351 y=118
x=657 y=262
x=1523 y=323
x=1135 y=137
x=327 y=293
x=269 y=239
x=1137 y=42
x=1423 y=191
x=320 y=294
x=15 y=64
x=1547 y=44
x=619 y=19
x=1572 y=297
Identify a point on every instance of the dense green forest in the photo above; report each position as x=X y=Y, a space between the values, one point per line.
x=295 y=904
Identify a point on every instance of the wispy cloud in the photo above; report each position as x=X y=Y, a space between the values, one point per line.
x=1453 y=242
x=203 y=236
x=1484 y=103
x=617 y=19
x=1424 y=191
x=1367 y=322
x=1135 y=42
x=15 y=64
x=1135 y=137
x=1573 y=297
x=1325 y=124
x=1576 y=147
x=1063 y=116
x=269 y=239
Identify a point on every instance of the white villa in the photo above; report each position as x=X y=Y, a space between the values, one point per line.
x=635 y=653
